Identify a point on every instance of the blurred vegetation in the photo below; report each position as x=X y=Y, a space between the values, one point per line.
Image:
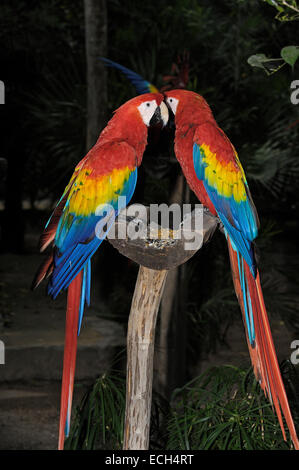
x=288 y=10
x=43 y=68
x=99 y=419
x=222 y=409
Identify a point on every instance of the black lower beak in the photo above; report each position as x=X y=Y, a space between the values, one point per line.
x=171 y=117
x=156 y=118
x=171 y=120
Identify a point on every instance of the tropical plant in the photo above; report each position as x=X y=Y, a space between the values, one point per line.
x=99 y=419
x=57 y=116
x=288 y=10
x=222 y=409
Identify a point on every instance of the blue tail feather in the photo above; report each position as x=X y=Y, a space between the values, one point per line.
x=142 y=86
x=85 y=293
x=245 y=292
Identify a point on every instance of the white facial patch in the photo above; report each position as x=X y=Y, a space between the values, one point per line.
x=172 y=103
x=164 y=113
x=147 y=110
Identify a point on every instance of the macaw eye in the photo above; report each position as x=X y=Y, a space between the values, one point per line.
x=173 y=102
x=147 y=110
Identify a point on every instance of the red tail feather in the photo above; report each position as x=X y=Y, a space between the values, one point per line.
x=48 y=235
x=43 y=272
x=46 y=238
x=262 y=352
x=69 y=359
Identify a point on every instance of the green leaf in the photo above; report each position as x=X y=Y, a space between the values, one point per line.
x=257 y=60
x=290 y=54
x=275 y=4
x=267 y=64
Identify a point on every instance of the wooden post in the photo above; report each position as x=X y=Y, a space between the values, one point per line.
x=155 y=258
x=140 y=355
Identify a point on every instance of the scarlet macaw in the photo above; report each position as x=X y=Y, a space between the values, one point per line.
x=76 y=228
x=213 y=171
x=212 y=181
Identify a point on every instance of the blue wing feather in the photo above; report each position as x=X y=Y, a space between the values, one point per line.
x=238 y=218
x=142 y=86
x=240 y=225
x=76 y=245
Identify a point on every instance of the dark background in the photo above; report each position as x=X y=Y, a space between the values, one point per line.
x=47 y=127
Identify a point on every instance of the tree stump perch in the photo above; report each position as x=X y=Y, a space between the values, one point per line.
x=155 y=256
x=140 y=356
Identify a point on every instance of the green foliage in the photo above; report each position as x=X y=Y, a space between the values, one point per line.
x=222 y=409
x=57 y=116
x=43 y=61
x=273 y=165
x=263 y=62
x=99 y=419
x=288 y=10
x=290 y=54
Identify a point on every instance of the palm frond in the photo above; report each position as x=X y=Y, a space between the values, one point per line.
x=223 y=409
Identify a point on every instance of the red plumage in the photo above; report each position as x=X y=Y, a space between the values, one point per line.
x=263 y=355
x=70 y=350
x=218 y=164
x=71 y=230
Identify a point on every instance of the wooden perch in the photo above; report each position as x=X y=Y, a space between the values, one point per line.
x=140 y=355
x=156 y=256
x=168 y=249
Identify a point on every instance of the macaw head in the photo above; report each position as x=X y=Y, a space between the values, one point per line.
x=148 y=108
x=185 y=104
x=131 y=121
x=152 y=109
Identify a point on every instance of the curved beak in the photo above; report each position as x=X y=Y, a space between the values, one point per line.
x=164 y=113
x=160 y=115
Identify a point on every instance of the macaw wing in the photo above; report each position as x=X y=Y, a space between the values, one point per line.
x=142 y=86
x=92 y=205
x=216 y=163
x=48 y=235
